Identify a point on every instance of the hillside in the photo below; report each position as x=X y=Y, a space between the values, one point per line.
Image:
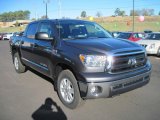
x=125 y=23
x=115 y=24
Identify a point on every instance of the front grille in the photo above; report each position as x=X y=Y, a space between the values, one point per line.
x=125 y=63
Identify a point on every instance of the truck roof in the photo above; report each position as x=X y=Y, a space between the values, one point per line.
x=61 y=20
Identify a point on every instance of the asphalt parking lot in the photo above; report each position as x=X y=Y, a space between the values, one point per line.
x=30 y=96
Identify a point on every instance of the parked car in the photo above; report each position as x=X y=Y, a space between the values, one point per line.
x=7 y=36
x=16 y=36
x=148 y=31
x=1 y=36
x=130 y=36
x=151 y=43
x=115 y=34
x=82 y=59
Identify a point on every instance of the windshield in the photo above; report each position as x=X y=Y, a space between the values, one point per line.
x=153 y=36
x=80 y=30
x=124 y=35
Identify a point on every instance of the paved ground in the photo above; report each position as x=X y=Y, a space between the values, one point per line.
x=29 y=97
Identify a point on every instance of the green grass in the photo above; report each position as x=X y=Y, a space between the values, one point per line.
x=138 y=27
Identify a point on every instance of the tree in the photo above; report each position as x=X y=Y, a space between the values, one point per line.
x=144 y=12
x=116 y=12
x=43 y=17
x=17 y=15
x=147 y=12
x=135 y=13
x=122 y=13
x=98 y=14
x=159 y=13
x=83 y=14
x=33 y=19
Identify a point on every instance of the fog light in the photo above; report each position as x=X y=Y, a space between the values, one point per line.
x=95 y=90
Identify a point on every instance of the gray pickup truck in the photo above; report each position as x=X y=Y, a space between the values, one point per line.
x=82 y=59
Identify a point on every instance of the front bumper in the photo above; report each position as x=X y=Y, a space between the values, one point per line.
x=151 y=51
x=111 y=88
x=5 y=38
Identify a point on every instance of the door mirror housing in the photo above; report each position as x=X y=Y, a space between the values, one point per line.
x=43 y=36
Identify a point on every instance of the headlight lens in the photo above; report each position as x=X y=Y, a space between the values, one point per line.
x=93 y=60
x=152 y=46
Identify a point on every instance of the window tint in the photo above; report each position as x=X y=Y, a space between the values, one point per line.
x=135 y=35
x=80 y=30
x=154 y=36
x=32 y=28
x=124 y=35
x=46 y=27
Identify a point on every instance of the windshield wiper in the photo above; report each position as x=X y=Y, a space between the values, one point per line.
x=97 y=37
x=102 y=37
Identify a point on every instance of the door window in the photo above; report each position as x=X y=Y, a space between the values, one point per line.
x=46 y=27
x=32 y=29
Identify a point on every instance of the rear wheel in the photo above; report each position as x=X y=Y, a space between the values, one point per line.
x=68 y=90
x=19 y=67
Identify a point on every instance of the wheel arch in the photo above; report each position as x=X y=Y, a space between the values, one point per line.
x=60 y=67
x=15 y=50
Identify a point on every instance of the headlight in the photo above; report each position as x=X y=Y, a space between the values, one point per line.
x=93 y=60
x=96 y=61
x=109 y=62
x=152 y=46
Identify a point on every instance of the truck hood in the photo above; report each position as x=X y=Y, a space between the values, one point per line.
x=101 y=44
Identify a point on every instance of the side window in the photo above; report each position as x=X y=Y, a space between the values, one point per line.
x=46 y=27
x=91 y=28
x=135 y=36
x=32 y=29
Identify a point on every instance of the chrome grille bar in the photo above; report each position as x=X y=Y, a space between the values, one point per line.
x=127 y=62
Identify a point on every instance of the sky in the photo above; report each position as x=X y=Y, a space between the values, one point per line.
x=73 y=8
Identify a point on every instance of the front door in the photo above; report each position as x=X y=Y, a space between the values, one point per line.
x=43 y=49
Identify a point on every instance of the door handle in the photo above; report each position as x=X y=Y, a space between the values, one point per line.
x=22 y=42
x=35 y=45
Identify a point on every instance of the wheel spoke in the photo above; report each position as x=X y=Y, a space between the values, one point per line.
x=16 y=63
x=68 y=83
x=70 y=97
x=71 y=91
x=67 y=91
x=66 y=97
x=63 y=90
x=63 y=84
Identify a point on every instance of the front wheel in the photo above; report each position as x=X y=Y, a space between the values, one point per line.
x=68 y=90
x=19 y=67
x=158 y=52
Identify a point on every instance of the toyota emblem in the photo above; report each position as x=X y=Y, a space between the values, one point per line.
x=132 y=61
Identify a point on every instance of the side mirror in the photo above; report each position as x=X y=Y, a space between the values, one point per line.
x=42 y=36
x=21 y=33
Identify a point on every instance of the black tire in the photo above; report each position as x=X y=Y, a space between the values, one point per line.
x=158 y=52
x=75 y=99
x=19 y=67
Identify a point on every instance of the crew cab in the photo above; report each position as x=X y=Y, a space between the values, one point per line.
x=82 y=59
